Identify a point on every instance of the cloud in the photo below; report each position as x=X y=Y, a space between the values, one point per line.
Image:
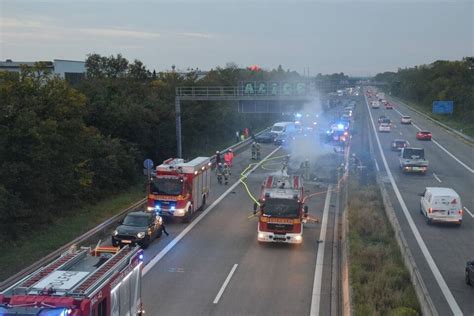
x=119 y=32
x=20 y=23
x=194 y=34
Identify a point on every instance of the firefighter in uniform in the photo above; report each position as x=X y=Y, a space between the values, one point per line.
x=255 y=151
x=220 y=172
x=258 y=151
x=305 y=169
x=228 y=158
x=226 y=173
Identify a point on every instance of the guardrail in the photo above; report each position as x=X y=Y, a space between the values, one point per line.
x=448 y=128
x=426 y=303
x=101 y=228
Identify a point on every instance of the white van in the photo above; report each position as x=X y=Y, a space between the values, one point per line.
x=283 y=129
x=441 y=205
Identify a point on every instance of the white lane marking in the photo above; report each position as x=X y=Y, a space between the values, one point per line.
x=398 y=112
x=469 y=212
x=452 y=156
x=318 y=270
x=437 y=178
x=444 y=149
x=416 y=126
x=188 y=228
x=227 y=280
x=429 y=259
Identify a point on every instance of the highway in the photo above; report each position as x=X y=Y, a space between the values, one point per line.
x=215 y=266
x=440 y=251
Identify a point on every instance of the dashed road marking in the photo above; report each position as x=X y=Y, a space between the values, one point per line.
x=188 y=228
x=227 y=280
x=456 y=310
x=443 y=149
x=469 y=212
x=437 y=178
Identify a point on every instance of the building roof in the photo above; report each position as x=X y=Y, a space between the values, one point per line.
x=17 y=64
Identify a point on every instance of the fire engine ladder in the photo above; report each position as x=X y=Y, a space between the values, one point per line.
x=111 y=266
x=67 y=259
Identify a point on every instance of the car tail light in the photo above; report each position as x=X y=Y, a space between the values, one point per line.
x=460 y=212
x=430 y=210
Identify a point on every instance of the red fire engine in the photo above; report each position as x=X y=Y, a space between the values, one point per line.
x=179 y=188
x=102 y=282
x=281 y=210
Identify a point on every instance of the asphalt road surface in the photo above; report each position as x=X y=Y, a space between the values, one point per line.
x=440 y=251
x=215 y=266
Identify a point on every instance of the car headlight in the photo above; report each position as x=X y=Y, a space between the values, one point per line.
x=115 y=233
x=141 y=235
x=150 y=208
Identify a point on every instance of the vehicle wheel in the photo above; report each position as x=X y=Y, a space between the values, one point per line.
x=468 y=281
x=421 y=210
x=187 y=217
x=115 y=243
x=428 y=220
x=145 y=243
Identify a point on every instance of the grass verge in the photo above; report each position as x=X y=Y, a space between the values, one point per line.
x=380 y=282
x=19 y=254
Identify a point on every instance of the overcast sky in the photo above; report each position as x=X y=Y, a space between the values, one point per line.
x=355 y=37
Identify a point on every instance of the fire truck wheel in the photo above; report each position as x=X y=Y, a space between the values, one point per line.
x=189 y=214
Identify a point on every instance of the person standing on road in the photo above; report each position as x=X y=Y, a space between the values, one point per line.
x=218 y=158
x=163 y=228
x=226 y=173
x=237 y=136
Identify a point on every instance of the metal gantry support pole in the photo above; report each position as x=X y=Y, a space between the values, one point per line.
x=177 y=109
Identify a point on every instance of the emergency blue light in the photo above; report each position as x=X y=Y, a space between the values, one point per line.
x=140 y=257
x=298 y=115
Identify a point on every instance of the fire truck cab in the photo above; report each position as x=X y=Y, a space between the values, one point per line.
x=281 y=210
x=105 y=281
x=178 y=189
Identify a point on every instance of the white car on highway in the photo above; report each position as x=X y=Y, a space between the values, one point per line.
x=441 y=205
x=375 y=105
x=405 y=119
x=384 y=127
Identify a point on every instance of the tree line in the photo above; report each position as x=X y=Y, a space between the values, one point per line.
x=62 y=146
x=440 y=80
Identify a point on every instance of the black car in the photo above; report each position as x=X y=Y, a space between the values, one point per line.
x=282 y=140
x=138 y=228
x=470 y=273
x=382 y=118
x=265 y=137
x=398 y=144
